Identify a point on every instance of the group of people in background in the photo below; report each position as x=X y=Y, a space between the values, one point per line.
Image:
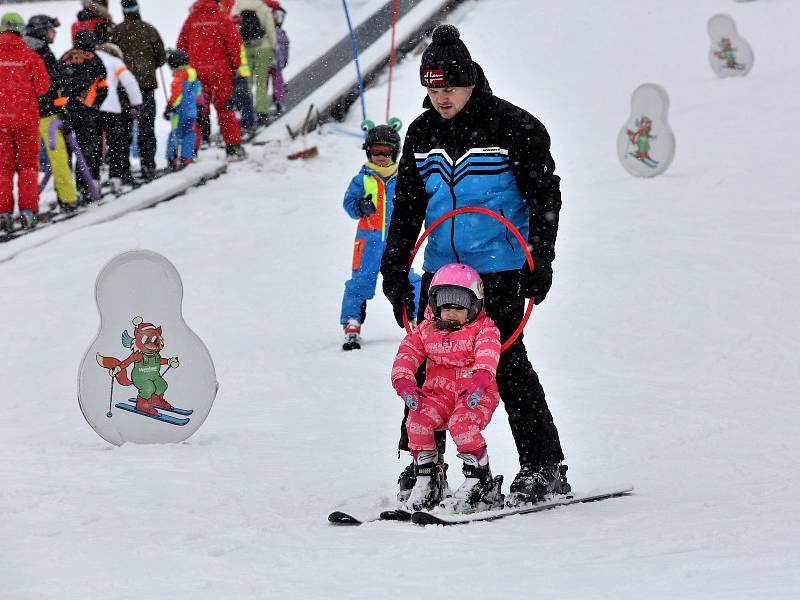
x=74 y=114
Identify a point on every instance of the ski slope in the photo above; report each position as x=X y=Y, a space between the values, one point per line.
x=668 y=349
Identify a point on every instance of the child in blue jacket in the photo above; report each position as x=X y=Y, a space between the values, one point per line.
x=186 y=94
x=369 y=199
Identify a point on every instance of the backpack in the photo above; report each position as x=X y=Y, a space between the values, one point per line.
x=250 y=28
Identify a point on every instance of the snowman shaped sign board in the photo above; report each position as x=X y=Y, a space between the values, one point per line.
x=730 y=55
x=146 y=377
x=646 y=144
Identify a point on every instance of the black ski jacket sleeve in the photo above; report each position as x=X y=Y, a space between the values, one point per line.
x=534 y=171
x=410 y=200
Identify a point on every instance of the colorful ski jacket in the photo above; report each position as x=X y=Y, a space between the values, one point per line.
x=493 y=155
x=186 y=93
x=82 y=79
x=452 y=356
x=381 y=186
x=23 y=78
x=211 y=40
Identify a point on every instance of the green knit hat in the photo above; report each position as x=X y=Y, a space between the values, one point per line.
x=12 y=22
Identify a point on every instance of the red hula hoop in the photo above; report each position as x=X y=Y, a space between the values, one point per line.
x=514 y=230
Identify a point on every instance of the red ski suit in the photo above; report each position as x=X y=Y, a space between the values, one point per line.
x=23 y=78
x=213 y=44
x=452 y=358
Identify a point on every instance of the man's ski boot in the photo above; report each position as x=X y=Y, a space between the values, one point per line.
x=67 y=207
x=352 y=329
x=119 y=187
x=148 y=173
x=6 y=223
x=479 y=491
x=27 y=218
x=534 y=483
x=428 y=489
x=234 y=153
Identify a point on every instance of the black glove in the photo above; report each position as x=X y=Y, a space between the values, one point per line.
x=364 y=206
x=135 y=111
x=230 y=104
x=398 y=289
x=168 y=112
x=535 y=284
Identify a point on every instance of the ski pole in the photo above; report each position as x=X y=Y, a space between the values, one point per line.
x=355 y=60
x=110 y=397
x=168 y=368
x=163 y=85
x=391 y=61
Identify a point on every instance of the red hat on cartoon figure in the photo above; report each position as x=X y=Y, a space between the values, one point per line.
x=147 y=336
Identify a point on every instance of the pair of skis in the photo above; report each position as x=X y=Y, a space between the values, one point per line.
x=160 y=416
x=423 y=517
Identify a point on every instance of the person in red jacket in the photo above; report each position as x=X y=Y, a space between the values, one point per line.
x=213 y=44
x=95 y=17
x=23 y=78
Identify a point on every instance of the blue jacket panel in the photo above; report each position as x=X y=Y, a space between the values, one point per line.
x=482 y=177
x=187 y=109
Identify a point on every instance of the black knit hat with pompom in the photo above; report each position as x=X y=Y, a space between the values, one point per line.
x=446 y=62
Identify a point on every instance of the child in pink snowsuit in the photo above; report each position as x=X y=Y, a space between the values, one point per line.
x=462 y=348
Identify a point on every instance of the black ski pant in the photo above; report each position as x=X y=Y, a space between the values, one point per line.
x=85 y=122
x=147 y=130
x=532 y=425
x=118 y=129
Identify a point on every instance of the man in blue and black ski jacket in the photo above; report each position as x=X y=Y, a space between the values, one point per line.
x=471 y=148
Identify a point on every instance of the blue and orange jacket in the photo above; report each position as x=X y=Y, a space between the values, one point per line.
x=370 y=181
x=186 y=93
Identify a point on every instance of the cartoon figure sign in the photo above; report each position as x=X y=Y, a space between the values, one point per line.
x=730 y=55
x=646 y=144
x=145 y=361
x=132 y=387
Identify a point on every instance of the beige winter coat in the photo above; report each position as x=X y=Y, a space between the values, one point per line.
x=264 y=14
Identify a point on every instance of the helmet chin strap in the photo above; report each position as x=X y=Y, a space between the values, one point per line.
x=448 y=325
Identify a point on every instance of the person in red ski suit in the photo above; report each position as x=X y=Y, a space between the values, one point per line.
x=94 y=16
x=23 y=78
x=460 y=345
x=213 y=44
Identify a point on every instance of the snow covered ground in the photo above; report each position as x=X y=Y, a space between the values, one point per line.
x=668 y=348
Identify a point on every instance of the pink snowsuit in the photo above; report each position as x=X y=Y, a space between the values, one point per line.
x=452 y=357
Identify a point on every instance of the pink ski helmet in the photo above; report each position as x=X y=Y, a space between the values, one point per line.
x=456 y=284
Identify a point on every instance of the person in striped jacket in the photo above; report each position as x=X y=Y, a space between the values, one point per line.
x=460 y=346
x=470 y=148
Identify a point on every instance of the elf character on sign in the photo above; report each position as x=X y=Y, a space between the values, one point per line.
x=145 y=345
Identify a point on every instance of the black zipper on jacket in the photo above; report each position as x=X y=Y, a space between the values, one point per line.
x=453 y=220
x=508 y=240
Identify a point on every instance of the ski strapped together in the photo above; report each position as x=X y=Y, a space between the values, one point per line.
x=440 y=517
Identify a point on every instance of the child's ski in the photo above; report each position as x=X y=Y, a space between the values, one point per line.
x=648 y=161
x=159 y=417
x=443 y=518
x=178 y=411
x=343 y=518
